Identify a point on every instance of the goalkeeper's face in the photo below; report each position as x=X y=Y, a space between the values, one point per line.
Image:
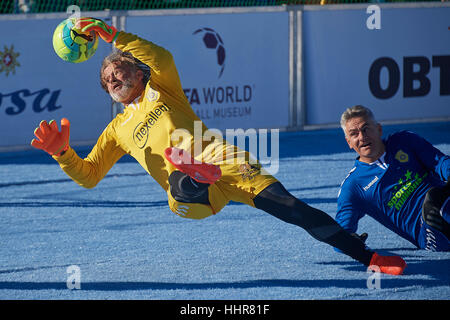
x=124 y=83
x=364 y=136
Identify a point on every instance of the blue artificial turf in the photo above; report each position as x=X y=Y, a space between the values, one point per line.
x=127 y=244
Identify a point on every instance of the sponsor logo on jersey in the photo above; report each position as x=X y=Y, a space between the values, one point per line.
x=141 y=132
x=406 y=185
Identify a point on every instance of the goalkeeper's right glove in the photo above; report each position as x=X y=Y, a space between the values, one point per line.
x=105 y=31
x=50 y=139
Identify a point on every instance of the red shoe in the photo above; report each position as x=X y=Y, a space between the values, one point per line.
x=388 y=264
x=199 y=171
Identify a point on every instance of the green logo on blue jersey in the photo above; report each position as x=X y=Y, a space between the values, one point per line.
x=406 y=185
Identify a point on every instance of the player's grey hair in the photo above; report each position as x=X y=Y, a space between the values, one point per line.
x=127 y=58
x=356 y=111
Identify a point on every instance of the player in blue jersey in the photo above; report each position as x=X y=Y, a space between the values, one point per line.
x=400 y=181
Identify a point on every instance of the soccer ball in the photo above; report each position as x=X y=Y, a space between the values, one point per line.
x=71 y=44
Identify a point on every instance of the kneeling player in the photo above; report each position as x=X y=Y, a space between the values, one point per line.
x=400 y=181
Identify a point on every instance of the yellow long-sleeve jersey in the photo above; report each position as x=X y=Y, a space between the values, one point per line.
x=159 y=118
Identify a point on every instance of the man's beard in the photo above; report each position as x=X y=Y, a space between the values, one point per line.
x=123 y=93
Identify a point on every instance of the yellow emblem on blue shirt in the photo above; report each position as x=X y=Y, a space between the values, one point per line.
x=401 y=156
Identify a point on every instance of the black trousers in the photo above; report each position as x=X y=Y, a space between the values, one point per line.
x=278 y=202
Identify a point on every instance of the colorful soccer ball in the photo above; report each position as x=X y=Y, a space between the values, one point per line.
x=71 y=44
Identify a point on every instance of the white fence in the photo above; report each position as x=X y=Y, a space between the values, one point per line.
x=289 y=67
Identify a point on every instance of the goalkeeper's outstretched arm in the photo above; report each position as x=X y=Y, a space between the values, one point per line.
x=87 y=172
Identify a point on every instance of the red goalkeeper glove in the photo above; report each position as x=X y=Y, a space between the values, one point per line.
x=199 y=171
x=105 y=31
x=50 y=139
x=387 y=264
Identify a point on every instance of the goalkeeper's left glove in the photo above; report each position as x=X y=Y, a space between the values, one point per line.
x=105 y=31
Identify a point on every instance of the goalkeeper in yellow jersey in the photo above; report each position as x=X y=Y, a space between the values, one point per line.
x=157 y=129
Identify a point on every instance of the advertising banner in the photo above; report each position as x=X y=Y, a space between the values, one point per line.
x=395 y=61
x=234 y=68
x=35 y=85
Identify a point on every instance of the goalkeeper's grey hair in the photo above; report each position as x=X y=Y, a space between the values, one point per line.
x=128 y=59
x=356 y=111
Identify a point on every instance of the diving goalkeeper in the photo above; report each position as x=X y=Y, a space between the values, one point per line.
x=198 y=176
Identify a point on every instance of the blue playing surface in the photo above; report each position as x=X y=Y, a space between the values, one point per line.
x=127 y=244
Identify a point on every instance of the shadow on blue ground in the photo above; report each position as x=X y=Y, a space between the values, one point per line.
x=292 y=144
x=263 y=283
x=120 y=204
x=39 y=182
x=416 y=263
x=435 y=272
x=85 y=204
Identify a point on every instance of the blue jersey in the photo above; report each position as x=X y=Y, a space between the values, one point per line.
x=392 y=189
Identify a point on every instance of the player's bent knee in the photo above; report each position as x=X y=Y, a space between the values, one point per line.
x=437 y=196
x=434 y=199
x=432 y=204
x=190 y=210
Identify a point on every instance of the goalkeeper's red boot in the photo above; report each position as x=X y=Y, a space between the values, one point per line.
x=388 y=264
x=199 y=171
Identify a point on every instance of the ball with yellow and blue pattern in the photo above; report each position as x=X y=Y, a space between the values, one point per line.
x=73 y=45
